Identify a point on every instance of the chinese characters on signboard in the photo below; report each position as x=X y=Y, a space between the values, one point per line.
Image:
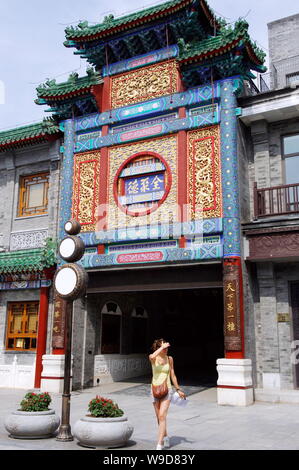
x=230 y=295
x=144 y=184
x=232 y=320
x=58 y=324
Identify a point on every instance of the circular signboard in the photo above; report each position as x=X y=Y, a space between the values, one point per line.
x=71 y=248
x=142 y=183
x=72 y=227
x=70 y=281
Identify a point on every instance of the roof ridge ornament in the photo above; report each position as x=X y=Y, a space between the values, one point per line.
x=73 y=77
x=108 y=20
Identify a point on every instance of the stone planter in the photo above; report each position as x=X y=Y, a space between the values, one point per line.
x=103 y=432
x=31 y=424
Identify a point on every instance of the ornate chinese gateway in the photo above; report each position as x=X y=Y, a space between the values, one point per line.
x=150 y=170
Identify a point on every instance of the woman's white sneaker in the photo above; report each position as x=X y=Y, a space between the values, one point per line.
x=159 y=447
x=166 y=441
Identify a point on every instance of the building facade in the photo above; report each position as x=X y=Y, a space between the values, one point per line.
x=187 y=195
x=271 y=234
x=152 y=170
x=29 y=185
x=283 y=51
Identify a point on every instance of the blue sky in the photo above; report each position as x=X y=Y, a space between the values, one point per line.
x=32 y=35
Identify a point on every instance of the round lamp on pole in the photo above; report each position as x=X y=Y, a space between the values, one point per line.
x=72 y=227
x=70 y=283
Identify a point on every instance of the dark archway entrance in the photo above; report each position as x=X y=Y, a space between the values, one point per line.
x=192 y=321
x=183 y=304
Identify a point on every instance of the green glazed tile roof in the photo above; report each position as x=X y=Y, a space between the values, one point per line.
x=73 y=85
x=227 y=38
x=84 y=31
x=26 y=134
x=28 y=260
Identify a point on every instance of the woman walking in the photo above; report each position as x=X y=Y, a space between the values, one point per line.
x=163 y=375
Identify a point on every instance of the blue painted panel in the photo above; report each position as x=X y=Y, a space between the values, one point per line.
x=144 y=184
x=141 y=60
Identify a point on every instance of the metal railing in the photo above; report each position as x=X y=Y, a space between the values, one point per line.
x=264 y=82
x=277 y=200
x=282 y=73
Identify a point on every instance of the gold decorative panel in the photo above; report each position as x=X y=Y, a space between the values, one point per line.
x=86 y=189
x=144 y=84
x=166 y=147
x=204 y=182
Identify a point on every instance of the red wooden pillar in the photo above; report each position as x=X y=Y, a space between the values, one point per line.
x=104 y=169
x=41 y=334
x=106 y=101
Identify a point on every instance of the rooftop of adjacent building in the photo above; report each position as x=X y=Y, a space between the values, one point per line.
x=283 y=20
x=32 y=133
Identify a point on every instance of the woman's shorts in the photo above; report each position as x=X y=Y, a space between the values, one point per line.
x=167 y=397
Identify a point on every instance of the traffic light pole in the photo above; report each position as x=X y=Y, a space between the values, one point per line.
x=64 y=433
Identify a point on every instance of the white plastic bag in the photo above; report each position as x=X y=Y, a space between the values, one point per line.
x=177 y=400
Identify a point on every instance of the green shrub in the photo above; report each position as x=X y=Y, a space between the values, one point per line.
x=101 y=407
x=36 y=402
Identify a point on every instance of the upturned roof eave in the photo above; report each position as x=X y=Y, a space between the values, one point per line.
x=65 y=96
x=79 y=36
x=198 y=57
x=65 y=90
x=121 y=26
x=28 y=135
x=28 y=141
x=26 y=261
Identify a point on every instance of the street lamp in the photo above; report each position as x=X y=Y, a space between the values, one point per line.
x=70 y=282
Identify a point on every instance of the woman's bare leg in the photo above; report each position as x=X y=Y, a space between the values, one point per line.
x=164 y=405
x=157 y=407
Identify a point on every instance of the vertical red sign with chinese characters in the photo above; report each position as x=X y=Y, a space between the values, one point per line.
x=232 y=305
x=58 y=325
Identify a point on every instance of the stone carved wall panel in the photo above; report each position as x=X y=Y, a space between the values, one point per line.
x=111 y=368
x=27 y=239
x=274 y=245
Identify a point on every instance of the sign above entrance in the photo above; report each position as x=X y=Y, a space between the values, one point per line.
x=142 y=183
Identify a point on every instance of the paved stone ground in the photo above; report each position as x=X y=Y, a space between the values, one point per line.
x=202 y=425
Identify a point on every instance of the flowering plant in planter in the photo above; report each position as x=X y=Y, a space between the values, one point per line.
x=34 y=419
x=106 y=425
x=100 y=407
x=35 y=402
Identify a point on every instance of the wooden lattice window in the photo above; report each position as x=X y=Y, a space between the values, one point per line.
x=33 y=196
x=22 y=326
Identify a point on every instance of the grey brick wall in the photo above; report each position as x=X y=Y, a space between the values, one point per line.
x=267 y=165
x=14 y=164
x=273 y=339
x=283 y=48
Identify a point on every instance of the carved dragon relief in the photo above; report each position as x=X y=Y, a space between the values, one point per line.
x=144 y=84
x=204 y=172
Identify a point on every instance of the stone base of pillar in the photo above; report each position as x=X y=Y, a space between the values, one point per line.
x=234 y=385
x=53 y=373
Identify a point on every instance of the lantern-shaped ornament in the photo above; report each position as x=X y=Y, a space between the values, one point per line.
x=71 y=279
